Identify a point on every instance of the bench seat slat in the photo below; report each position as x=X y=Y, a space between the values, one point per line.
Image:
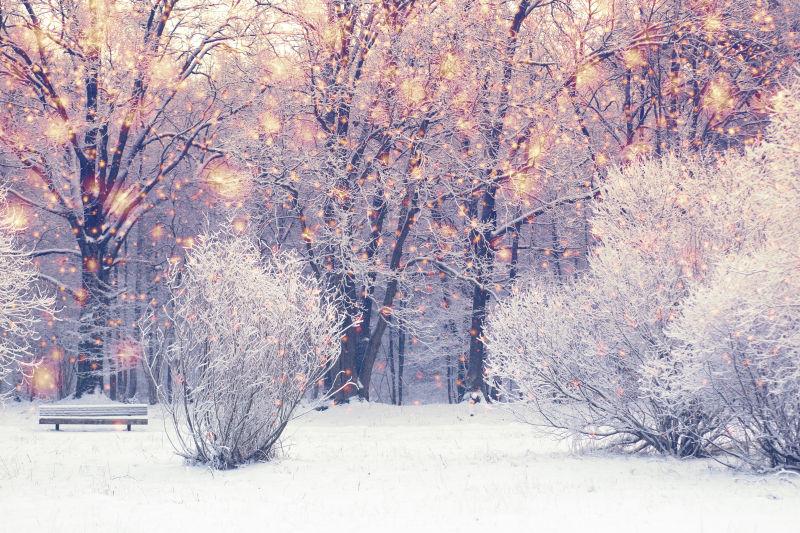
x=45 y=409
x=94 y=409
x=103 y=416
x=72 y=413
x=94 y=406
x=95 y=421
x=92 y=413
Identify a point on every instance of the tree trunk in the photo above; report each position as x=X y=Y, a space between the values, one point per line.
x=112 y=386
x=405 y=222
x=132 y=380
x=390 y=363
x=449 y=376
x=481 y=248
x=401 y=358
x=476 y=347
x=555 y=246
x=94 y=317
x=345 y=378
x=169 y=384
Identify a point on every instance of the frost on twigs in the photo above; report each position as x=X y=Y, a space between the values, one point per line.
x=251 y=336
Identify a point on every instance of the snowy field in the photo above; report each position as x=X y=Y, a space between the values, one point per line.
x=373 y=468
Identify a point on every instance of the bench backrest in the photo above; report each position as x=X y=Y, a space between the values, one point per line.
x=133 y=409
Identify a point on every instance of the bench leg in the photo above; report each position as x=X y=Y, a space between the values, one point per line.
x=57 y=427
x=129 y=427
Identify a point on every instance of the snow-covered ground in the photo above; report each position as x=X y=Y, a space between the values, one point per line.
x=370 y=467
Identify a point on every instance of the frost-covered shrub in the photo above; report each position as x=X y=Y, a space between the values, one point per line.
x=595 y=354
x=21 y=303
x=741 y=330
x=684 y=333
x=250 y=339
x=589 y=374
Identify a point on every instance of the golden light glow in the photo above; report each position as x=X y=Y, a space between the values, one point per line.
x=270 y=123
x=128 y=353
x=712 y=23
x=412 y=91
x=239 y=224
x=718 y=99
x=536 y=149
x=16 y=217
x=586 y=77
x=227 y=181
x=633 y=58
x=450 y=67
x=57 y=131
x=43 y=379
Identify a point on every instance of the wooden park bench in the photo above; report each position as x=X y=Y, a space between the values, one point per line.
x=120 y=414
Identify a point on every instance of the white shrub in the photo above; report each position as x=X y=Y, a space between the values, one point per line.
x=741 y=330
x=684 y=334
x=250 y=339
x=599 y=345
x=21 y=302
x=592 y=370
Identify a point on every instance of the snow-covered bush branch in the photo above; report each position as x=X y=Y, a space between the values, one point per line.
x=21 y=301
x=249 y=340
x=742 y=336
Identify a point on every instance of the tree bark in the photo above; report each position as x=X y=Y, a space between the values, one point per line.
x=401 y=359
x=390 y=364
x=94 y=315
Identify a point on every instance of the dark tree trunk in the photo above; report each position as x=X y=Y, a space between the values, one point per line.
x=461 y=378
x=169 y=384
x=122 y=385
x=401 y=359
x=375 y=340
x=112 y=386
x=512 y=271
x=132 y=380
x=483 y=257
x=476 y=347
x=390 y=364
x=449 y=376
x=555 y=246
x=404 y=225
x=95 y=311
x=345 y=378
x=94 y=317
x=627 y=109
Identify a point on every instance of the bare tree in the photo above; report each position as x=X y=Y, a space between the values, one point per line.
x=103 y=104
